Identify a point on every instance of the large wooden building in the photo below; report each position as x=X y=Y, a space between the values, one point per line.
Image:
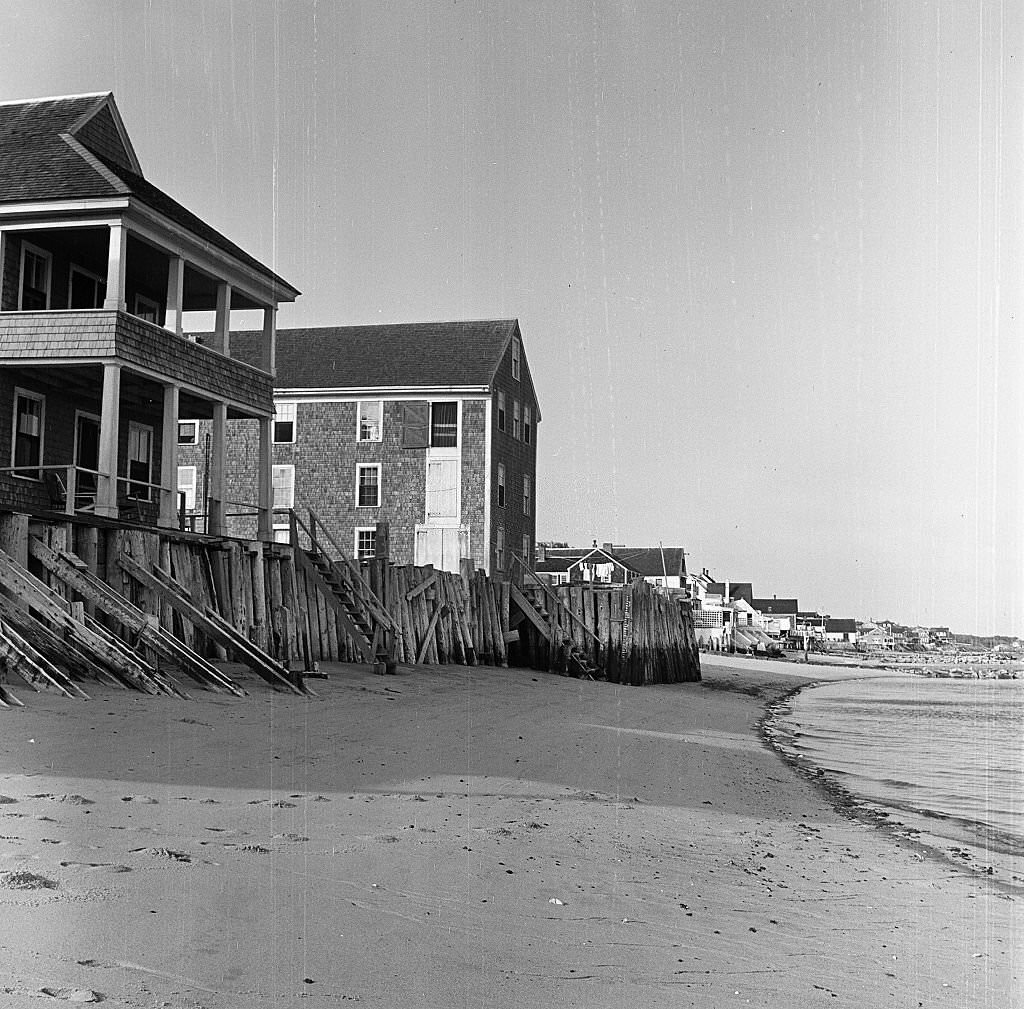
x=99 y=269
x=428 y=427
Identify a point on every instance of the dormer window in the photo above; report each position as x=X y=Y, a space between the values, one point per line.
x=516 y=352
x=35 y=279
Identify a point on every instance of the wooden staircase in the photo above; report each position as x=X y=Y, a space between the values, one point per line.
x=342 y=586
x=565 y=652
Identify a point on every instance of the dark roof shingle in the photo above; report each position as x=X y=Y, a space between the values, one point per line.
x=404 y=355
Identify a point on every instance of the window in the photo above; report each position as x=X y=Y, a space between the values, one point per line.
x=27 y=446
x=284 y=423
x=527 y=424
x=501 y=411
x=368 y=485
x=499 y=549
x=516 y=352
x=146 y=308
x=366 y=542
x=187 y=487
x=85 y=289
x=140 y=461
x=444 y=425
x=501 y=485
x=370 y=416
x=527 y=493
x=35 y=279
x=526 y=549
x=283 y=481
x=188 y=432
x=515 y=420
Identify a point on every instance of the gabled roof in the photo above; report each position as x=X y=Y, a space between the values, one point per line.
x=773 y=606
x=654 y=561
x=415 y=355
x=840 y=625
x=737 y=590
x=598 y=555
x=50 y=150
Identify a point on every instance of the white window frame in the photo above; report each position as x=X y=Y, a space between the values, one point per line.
x=365 y=530
x=48 y=257
x=517 y=426
x=137 y=430
x=285 y=413
x=499 y=548
x=526 y=550
x=20 y=393
x=97 y=280
x=282 y=478
x=360 y=466
x=527 y=424
x=458 y=425
x=516 y=358
x=527 y=494
x=501 y=410
x=141 y=303
x=502 y=486
x=359 y=420
x=188 y=488
x=195 y=432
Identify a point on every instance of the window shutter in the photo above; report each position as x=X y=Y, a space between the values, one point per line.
x=416 y=424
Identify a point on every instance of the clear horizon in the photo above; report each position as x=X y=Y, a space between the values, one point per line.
x=767 y=266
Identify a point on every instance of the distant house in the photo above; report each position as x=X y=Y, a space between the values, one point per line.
x=429 y=427
x=732 y=590
x=778 y=616
x=840 y=629
x=99 y=270
x=613 y=564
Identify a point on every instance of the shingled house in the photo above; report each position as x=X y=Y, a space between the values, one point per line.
x=97 y=376
x=429 y=427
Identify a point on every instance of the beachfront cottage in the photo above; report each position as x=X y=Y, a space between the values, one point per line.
x=429 y=428
x=612 y=564
x=841 y=630
x=778 y=617
x=97 y=377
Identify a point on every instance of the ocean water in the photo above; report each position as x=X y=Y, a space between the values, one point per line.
x=942 y=757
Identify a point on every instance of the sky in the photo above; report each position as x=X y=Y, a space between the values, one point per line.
x=766 y=257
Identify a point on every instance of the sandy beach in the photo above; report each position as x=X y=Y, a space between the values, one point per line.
x=472 y=837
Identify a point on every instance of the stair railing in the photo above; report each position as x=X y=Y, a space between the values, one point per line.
x=343 y=566
x=527 y=570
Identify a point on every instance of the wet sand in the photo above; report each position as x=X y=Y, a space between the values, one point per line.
x=471 y=837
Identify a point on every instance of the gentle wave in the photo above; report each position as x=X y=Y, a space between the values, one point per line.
x=947 y=754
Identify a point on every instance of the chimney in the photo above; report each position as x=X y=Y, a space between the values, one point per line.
x=607 y=547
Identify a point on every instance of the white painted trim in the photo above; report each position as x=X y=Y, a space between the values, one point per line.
x=273 y=495
x=395 y=394
x=283 y=418
x=195 y=486
x=380 y=484
x=355 y=540
x=43 y=254
x=53 y=98
x=62 y=207
x=41 y=399
x=488 y=486
x=194 y=421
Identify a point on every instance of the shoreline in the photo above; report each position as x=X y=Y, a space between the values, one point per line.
x=476 y=836
x=889 y=819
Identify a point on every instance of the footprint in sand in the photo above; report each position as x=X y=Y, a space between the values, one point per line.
x=144 y=800
x=70 y=800
x=73 y=994
x=291 y=837
x=249 y=849
x=168 y=853
x=209 y=802
x=6 y=799
x=20 y=879
x=112 y=866
x=283 y=804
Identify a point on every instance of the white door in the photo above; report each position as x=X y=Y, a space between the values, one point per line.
x=441 y=546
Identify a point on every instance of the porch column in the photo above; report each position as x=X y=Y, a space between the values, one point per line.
x=106 y=482
x=115 y=268
x=175 y=293
x=169 y=460
x=218 y=475
x=222 y=328
x=265 y=486
x=268 y=351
